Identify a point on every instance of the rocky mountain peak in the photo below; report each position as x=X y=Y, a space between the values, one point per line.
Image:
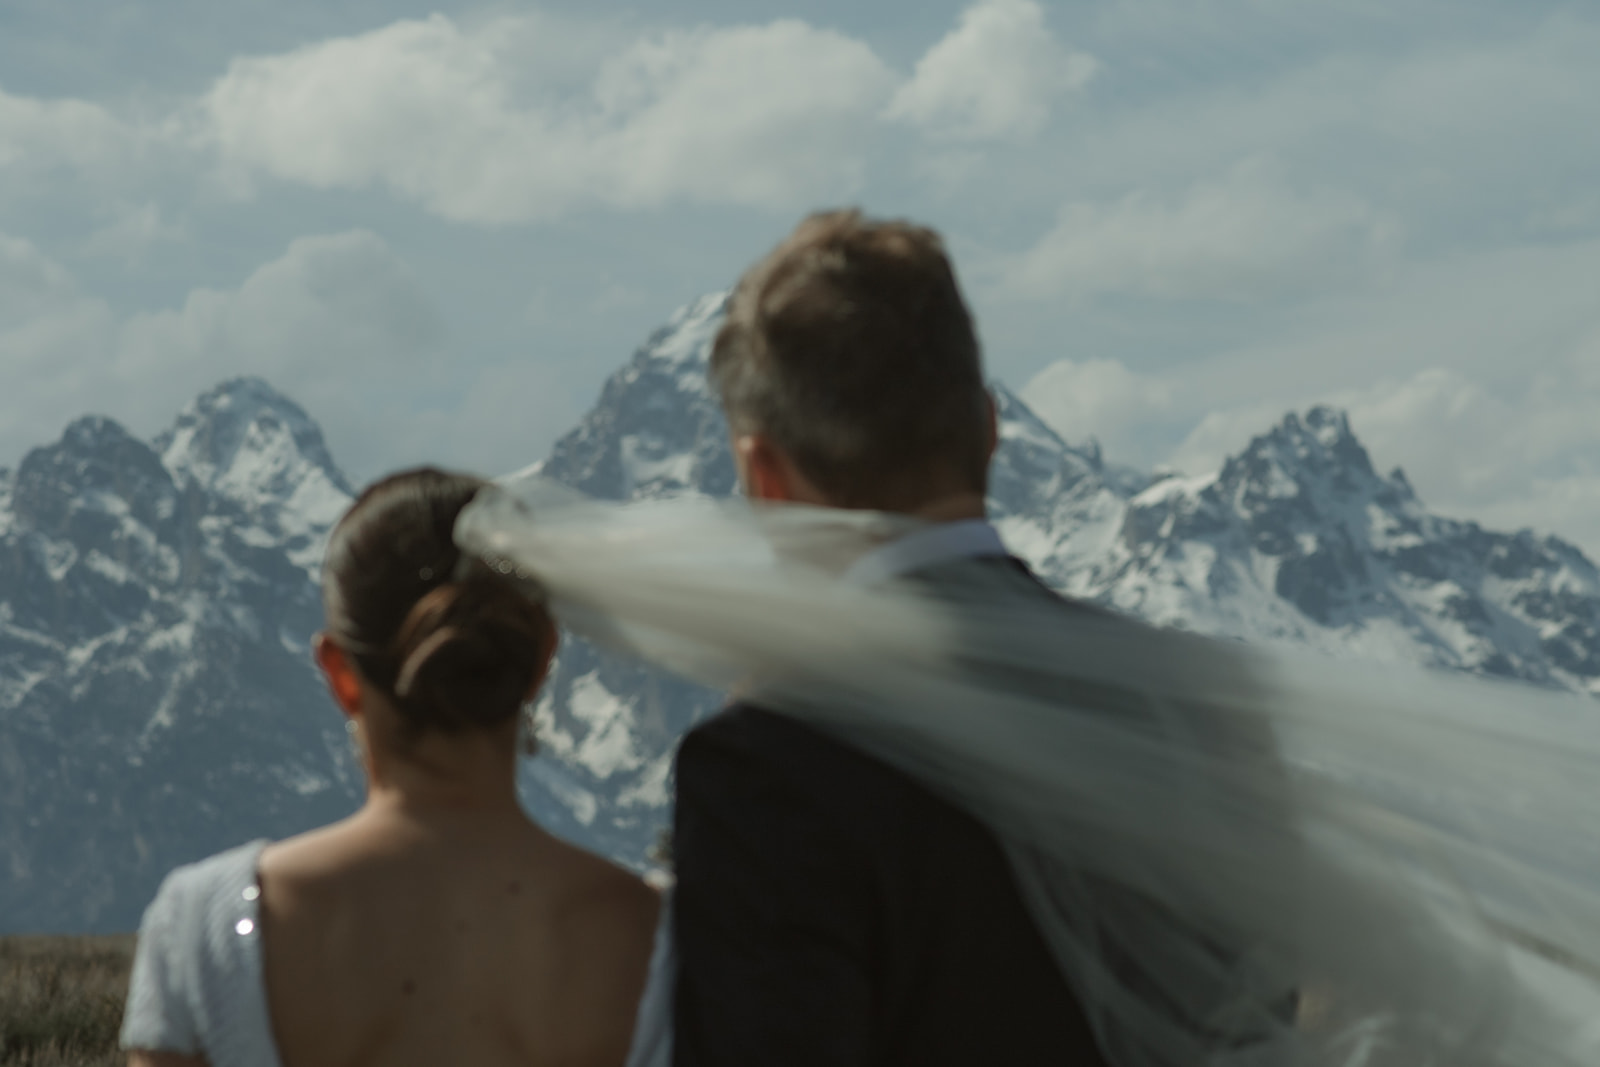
x=656 y=430
x=97 y=470
x=255 y=451
x=1034 y=467
x=1318 y=451
x=245 y=439
x=1330 y=426
x=1307 y=485
x=157 y=702
x=686 y=338
x=153 y=632
x=1299 y=519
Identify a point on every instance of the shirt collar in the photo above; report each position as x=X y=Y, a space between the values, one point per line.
x=938 y=543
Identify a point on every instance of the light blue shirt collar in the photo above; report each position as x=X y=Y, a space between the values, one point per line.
x=934 y=544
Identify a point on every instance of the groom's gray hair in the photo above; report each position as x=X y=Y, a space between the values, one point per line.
x=851 y=348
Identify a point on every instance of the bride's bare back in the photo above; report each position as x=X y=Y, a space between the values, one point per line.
x=437 y=925
x=401 y=937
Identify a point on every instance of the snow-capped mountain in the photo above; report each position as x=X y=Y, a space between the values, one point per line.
x=1297 y=539
x=156 y=696
x=157 y=702
x=608 y=727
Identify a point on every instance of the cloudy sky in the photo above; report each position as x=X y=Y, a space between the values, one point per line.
x=441 y=225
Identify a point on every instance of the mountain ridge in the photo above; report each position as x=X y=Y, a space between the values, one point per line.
x=156 y=696
x=1237 y=553
x=157 y=700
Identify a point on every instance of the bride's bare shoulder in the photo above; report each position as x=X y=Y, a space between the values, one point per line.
x=576 y=882
x=318 y=853
x=602 y=890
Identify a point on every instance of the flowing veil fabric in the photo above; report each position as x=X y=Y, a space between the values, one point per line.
x=1240 y=857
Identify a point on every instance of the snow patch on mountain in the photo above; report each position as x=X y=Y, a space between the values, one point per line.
x=150 y=710
x=1295 y=540
x=245 y=444
x=657 y=430
x=157 y=701
x=1298 y=539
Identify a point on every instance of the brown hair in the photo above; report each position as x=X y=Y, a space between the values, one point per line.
x=851 y=347
x=452 y=643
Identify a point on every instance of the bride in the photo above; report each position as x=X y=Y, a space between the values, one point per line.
x=438 y=924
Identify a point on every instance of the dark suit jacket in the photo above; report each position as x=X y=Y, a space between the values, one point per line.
x=831 y=911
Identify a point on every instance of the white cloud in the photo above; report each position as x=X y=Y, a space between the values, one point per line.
x=80 y=153
x=771 y=115
x=332 y=310
x=336 y=322
x=1479 y=375
x=1509 y=456
x=133 y=232
x=29 y=282
x=1248 y=235
x=996 y=75
x=1450 y=434
x=1104 y=399
x=1460 y=129
x=52 y=339
x=37 y=136
x=1454 y=127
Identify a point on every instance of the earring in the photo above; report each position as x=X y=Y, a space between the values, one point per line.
x=352 y=730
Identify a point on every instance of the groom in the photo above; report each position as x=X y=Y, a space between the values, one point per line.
x=830 y=910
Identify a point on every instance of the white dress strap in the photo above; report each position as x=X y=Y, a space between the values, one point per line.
x=652 y=1029
x=197 y=984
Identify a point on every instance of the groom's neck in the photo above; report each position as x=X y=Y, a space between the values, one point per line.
x=952 y=508
x=766 y=472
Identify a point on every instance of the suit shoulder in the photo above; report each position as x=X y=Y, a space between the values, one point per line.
x=765 y=757
x=748 y=727
x=765 y=738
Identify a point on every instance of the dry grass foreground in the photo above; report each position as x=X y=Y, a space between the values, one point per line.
x=61 y=1000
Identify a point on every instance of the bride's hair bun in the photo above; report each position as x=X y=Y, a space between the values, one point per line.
x=454 y=645
x=468 y=653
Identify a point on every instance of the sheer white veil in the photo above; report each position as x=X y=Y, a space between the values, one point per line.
x=1240 y=857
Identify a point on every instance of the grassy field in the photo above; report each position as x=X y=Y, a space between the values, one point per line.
x=61 y=1000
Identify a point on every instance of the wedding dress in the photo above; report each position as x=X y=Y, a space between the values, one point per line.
x=197 y=986
x=1238 y=856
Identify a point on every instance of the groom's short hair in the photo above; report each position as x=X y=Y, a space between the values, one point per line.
x=851 y=348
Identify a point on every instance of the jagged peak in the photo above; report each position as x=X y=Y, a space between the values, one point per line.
x=242 y=399
x=1402 y=484
x=1018 y=419
x=1320 y=440
x=91 y=432
x=1328 y=424
x=686 y=338
x=96 y=457
x=214 y=432
x=91 y=441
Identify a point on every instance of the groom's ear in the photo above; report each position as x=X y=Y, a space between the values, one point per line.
x=768 y=473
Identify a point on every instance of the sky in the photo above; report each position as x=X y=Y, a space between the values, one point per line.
x=441 y=226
